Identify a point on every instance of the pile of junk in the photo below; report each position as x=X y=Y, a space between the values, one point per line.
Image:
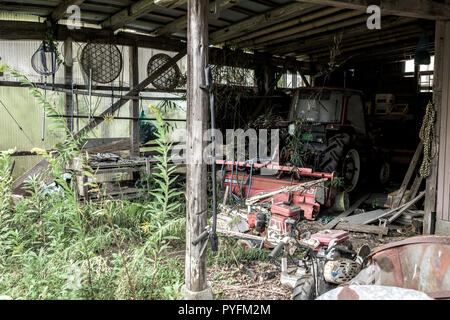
x=264 y=201
x=265 y=211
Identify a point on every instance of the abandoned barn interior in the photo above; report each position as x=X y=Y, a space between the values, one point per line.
x=116 y=73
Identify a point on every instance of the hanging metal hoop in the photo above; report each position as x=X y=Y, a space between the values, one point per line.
x=44 y=61
x=170 y=78
x=103 y=60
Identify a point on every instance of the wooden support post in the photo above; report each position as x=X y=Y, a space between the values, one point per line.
x=68 y=78
x=437 y=203
x=134 y=104
x=431 y=182
x=196 y=286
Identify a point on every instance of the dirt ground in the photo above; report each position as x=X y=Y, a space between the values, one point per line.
x=260 y=280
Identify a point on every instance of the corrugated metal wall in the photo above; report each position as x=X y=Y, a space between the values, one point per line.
x=28 y=113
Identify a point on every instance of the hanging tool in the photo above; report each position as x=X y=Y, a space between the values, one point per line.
x=211 y=232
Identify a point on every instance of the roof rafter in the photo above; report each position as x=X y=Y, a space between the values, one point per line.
x=129 y=14
x=259 y=21
x=421 y=9
x=180 y=23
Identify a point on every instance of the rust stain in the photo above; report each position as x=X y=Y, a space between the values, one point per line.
x=385 y=263
x=347 y=294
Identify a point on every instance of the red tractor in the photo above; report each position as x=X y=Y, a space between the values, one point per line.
x=330 y=125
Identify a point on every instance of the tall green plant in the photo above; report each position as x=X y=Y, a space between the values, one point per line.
x=5 y=202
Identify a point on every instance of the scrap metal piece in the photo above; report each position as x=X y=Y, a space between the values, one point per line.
x=420 y=263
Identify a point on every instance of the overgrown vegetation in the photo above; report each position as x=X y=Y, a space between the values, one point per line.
x=53 y=246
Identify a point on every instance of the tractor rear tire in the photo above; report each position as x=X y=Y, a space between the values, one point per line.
x=335 y=152
x=304 y=289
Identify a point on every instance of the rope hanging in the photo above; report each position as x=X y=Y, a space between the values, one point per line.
x=427 y=135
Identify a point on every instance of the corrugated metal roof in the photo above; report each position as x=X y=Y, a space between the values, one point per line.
x=98 y=11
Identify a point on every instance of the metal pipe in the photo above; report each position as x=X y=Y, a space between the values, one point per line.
x=72 y=112
x=90 y=93
x=115 y=118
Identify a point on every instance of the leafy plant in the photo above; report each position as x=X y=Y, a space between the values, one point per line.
x=54 y=247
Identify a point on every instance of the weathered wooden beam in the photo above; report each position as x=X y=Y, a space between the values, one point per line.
x=129 y=14
x=437 y=203
x=362 y=47
x=61 y=10
x=297 y=30
x=440 y=62
x=364 y=39
x=34 y=171
x=180 y=23
x=279 y=26
x=19 y=30
x=260 y=21
x=349 y=34
x=309 y=29
x=421 y=9
x=412 y=166
x=196 y=174
x=134 y=91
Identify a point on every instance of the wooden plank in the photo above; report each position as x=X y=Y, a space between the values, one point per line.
x=196 y=174
x=414 y=188
x=129 y=14
x=347 y=212
x=19 y=182
x=421 y=9
x=134 y=91
x=415 y=160
x=400 y=212
x=61 y=11
x=260 y=21
x=402 y=208
x=181 y=22
x=362 y=228
x=362 y=218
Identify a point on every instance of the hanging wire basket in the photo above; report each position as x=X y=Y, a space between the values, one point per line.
x=170 y=78
x=44 y=61
x=102 y=61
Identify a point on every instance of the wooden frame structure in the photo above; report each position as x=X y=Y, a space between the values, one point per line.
x=294 y=33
